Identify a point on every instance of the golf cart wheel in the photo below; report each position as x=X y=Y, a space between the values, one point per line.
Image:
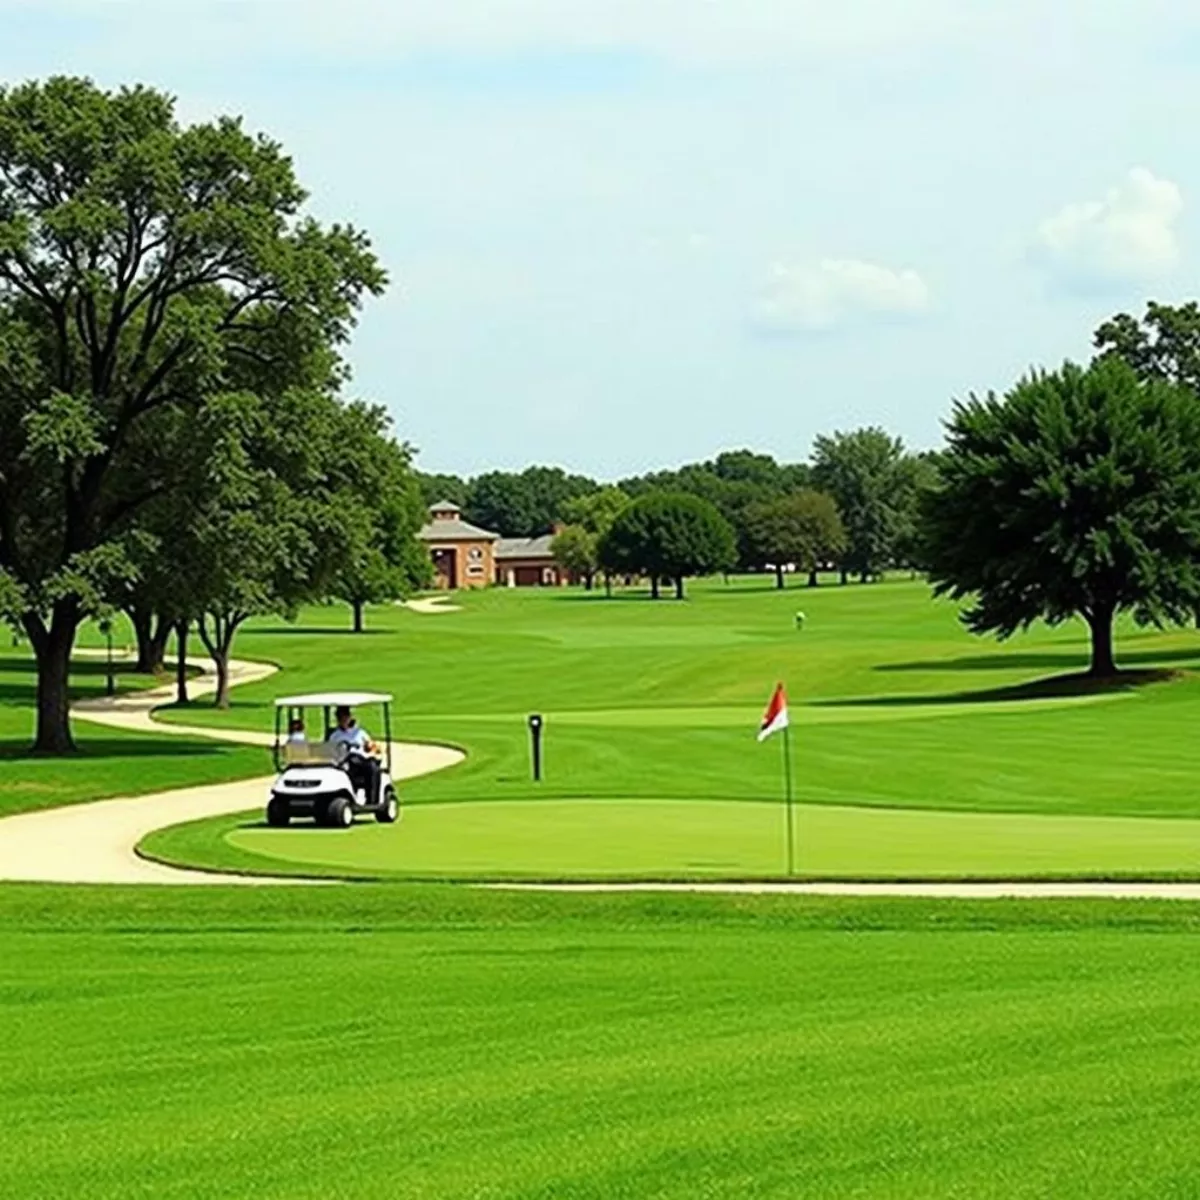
x=390 y=810
x=340 y=813
x=278 y=814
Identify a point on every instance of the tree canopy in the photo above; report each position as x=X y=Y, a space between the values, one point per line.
x=143 y=266
x=523 y=505
x=803 y=529
x=871 y=478
x=1077 y=493
x=668 y=535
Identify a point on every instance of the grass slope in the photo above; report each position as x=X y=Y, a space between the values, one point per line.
x=384 y=1041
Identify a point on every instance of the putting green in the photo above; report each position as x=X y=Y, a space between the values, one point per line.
x=562 y=839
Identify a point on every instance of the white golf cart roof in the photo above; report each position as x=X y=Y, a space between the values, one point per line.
x=333 y=700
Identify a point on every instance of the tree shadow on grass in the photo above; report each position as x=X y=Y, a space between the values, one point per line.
x=89 y=666
x=1032 y=661
x=1054 y=687
x=18 y=749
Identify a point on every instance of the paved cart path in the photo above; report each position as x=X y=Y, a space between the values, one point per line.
x=95 y=843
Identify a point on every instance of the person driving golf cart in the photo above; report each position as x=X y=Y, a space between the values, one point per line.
x=361 y=753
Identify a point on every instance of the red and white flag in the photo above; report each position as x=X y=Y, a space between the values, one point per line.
x=776 y=716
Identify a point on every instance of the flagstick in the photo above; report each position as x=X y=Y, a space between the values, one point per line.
x=787 y=775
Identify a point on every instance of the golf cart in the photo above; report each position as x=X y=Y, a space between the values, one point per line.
x=321 y=779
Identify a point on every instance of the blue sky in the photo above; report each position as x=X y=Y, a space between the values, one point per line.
x=632 y=233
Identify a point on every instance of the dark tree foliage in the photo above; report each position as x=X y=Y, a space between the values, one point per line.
x=802 y=529
x=140 y=260
x=668 y=535
x=869 y=475
x=526 y=504
x=438 y=487
x=732 y=481
x=1078 y=493
x=1164 y=345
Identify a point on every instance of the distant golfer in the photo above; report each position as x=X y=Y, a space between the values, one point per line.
x=799 y=620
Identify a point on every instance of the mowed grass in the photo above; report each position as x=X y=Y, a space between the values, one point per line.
x=894 y=707
x=392 y=1042
x=894 y=703
x=698 y=839
x=109 y=762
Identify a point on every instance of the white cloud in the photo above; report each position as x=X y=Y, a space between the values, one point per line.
x=837 y=292
x=1130 y=236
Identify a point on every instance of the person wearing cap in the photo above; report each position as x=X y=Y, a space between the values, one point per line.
x=361 y=761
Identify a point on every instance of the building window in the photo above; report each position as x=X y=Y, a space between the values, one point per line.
x=475 y=570
x=475 y=554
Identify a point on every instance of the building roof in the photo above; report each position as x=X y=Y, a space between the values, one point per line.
x=452 y=528
x=455 y=530
x=535 y=547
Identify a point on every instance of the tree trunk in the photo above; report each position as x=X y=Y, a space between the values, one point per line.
x=678 y=587
x=653 y=587
x=587 y=581
x=221 y=658
x=219 y=643
x=357 y=605
x=1100 y=621
x=845 y=576
x=151 y=632
x=779 y=576
x=181 y=639
x=52 y=647
x=608 y=585
x=813 y=581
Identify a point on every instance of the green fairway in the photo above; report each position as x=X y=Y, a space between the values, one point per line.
x=382 y=1041
x=640 y=839
x=894 y=707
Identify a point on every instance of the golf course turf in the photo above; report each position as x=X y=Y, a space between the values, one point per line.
x=390 y=1041
x=399 y=1039
x=919 y=750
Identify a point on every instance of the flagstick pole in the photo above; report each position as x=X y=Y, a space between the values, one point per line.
x=787 y=775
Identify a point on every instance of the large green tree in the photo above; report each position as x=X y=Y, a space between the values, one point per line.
x=668 y=535
x=575 y=550
x=1077 y=493
x=803 y=529
x=865 y=472
x=140 y=260
x=378 y=510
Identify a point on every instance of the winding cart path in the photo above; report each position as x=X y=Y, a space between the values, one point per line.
x=96 y=842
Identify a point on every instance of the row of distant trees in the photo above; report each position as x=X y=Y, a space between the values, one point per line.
x=1075 y=494
x=853 y=506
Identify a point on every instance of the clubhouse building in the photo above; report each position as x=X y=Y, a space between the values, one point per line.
x=465 y=556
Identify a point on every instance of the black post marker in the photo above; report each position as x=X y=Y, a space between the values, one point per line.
x=535 y=738
x=111 y=682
